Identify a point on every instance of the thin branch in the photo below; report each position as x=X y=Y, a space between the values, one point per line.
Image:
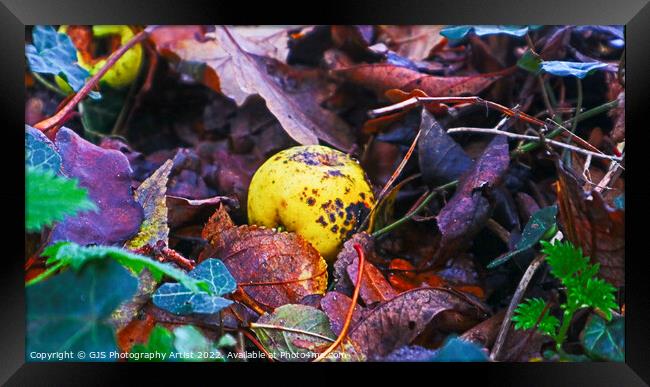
x=516 y=299
x=60 y=117
x=353 y=304
x=533 y=138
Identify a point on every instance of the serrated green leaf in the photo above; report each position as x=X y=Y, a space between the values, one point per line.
x=599 y=294
x=538 y=224
x=151 y=196
x=565 y=259
x=68 y=312
x=604 y=340
x=50 y=198
x=282 y=344
x=75 y=256
x=528 y=314
x=40 y=151
x=176 y=298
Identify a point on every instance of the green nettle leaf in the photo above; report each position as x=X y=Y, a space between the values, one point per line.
x=604 y=340
x=575 y=69
x=68 y=312
x=565 y=259
x=193 y=346
x=600 y=294
x=528 y=313
x=286 y=345
x=75 y=256
x=54 y=53
x=538 y=225
x=151 y=196
x=176 y=298
x=456 y=349
x=40 y=151
x=50 y=198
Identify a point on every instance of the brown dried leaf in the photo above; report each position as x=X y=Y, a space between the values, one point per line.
x=273 y=268
x=374 y=287
x=398 y=322
x=288 y=94
x=590 y=223
x=413 y=42
x=470 y=207
x=383 y=77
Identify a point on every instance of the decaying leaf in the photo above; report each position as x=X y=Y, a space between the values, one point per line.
x=413 y=42
x=273 y=268
x=383 y=77
x=182 y=211
x=151 y=196
x=470 y=207
x=107 y=176
x=398 y=322
x=593 y=225
x=336 y=305
x=374 y=287
x=287 y=96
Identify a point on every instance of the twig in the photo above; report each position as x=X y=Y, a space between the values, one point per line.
x=353 y=304
x=259 y=345
x=498 y=230
x=516 y=299
x=533 y=138
x=60 y=117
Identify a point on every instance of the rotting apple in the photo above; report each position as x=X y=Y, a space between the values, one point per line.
x=315 y=191
x=123 y=72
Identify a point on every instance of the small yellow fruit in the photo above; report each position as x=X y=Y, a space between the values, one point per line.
x=123 y=72
x=315 y=191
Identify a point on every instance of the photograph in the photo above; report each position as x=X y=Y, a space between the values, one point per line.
x=324 y=193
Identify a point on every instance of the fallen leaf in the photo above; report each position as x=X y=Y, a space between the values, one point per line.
x=183 y=211
x=590 y=223
x=293 y=346
x=413 y=42
x=151 y=196
x=374 y=287
x=273 y=268
x=396 y=323
x=383 y=77
x=441 y=158
x=107 y=176
x=287 y=93
x=137 y=331
x=467 y=211
x=336 y=305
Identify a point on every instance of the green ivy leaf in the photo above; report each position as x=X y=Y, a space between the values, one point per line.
x=456 y=349
x=75 y=256
x=459 y=32
x=54 y=53
x=50 y=198
x=604 y=340
x=538 y=224
x=68 y=312
x=528 y=314
x=176 y=298
x=40 y=151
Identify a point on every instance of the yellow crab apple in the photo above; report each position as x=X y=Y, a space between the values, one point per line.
x=315 y=191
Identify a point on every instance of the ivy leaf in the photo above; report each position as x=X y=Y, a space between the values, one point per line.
x=576 y=69
x=50 y=198
x=193 y=346
x=75 y=256
x=604 y=340
x=151 y=196
x=54 y=53
x=68 y=312
x=538 y=224
x=178 y=299
x=459 y=32
x=40 y=151
x=456 y=349
x=528 y=314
